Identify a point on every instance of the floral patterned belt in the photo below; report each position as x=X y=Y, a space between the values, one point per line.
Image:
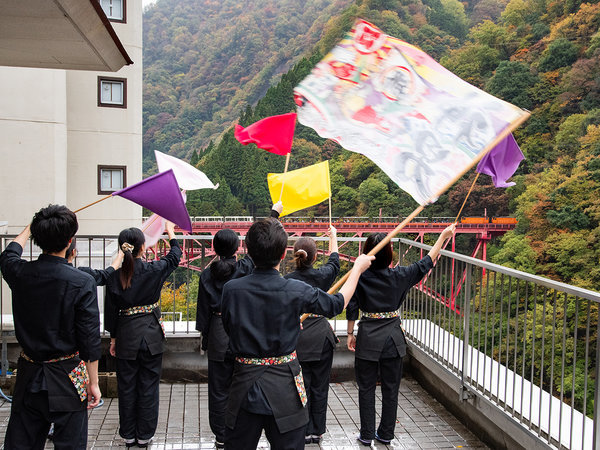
x=145 y=309
x=138 y=310
x=316 y=316
x=380 y=315
x=60 y=358
x=275 y=361
x=269 y=361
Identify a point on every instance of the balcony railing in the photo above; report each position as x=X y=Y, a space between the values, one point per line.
x=526 y=344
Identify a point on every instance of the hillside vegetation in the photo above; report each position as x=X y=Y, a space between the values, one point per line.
x=538 y=54
x=204 y=60
x=542 y=55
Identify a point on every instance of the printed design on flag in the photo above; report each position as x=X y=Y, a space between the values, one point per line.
x=80 y=379
x=386 y=99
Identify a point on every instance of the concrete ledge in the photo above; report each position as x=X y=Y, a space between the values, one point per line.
x=482 y=417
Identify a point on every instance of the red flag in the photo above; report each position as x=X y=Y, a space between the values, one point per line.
x=273 y=134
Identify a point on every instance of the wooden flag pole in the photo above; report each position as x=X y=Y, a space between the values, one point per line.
x=287 y=162
x=147 y=225
x=509 y=129
x=329 y=210
x=93 y=203
x=465 y=201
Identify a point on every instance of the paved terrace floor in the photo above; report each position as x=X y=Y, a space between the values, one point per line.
x=423 y=423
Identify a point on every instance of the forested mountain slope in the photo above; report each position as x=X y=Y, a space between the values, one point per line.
x=204 y=60
x=542 y=55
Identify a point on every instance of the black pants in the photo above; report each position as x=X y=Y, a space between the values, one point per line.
x=249 y=426
x=316 y=381
x=137 y=384
x=219 y=381
x=366 y=378
x=28 y=428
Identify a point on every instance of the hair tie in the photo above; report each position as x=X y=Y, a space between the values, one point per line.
x=126 y=247
x=302 y=251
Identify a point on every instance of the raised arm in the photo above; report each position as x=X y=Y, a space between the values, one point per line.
x=23 y=236
x=101 y=275
x=333 y=243
x=447 y=233
x=10 y=258
x=362 y=263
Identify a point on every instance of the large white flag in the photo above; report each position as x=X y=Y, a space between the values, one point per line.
x=188 y=177
x=388 y=100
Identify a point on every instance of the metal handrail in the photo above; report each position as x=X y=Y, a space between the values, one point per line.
x=524 y=343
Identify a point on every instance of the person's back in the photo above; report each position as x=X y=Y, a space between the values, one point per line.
x=42 y=294
x=133 y=318
x=56 y=318
x=317 y=340
x=208 y=321
x=380 y=344
x=261 y=314
x=265 y=308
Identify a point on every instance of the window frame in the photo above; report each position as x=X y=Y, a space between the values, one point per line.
x=102 y=167
x=112 y=105
x=124 y=19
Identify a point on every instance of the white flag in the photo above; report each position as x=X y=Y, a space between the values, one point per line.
x=388 y=100
x=188 y=177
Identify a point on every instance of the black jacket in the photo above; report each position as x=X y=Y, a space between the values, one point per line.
x=146 y=285
x=55 y=311
x=316 y=330
x=208 y=322
x=261 y=314
x=383 y=290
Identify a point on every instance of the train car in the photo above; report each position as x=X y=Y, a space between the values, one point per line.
x=218 y=219
x=238 y=219
x=505 y=220
x=474 y=220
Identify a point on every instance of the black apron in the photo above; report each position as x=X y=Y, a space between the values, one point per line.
x=315 y=331
x=373 y=335
x=278 y=385
x=62 y=395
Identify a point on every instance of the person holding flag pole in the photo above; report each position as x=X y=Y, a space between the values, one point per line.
x=209 y=322
x=380 y=345
x=317 y=339
x=425 y=128
x=133 y=318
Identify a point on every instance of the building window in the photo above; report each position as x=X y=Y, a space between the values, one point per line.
x=112 y=92
x=114 y=10
x=111 y=179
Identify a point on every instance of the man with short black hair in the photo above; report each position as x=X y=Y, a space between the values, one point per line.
x=261 y=314
x=57 y=324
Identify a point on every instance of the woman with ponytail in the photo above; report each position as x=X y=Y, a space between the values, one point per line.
x=380 y=344
x=317 y=339
x=133 y=318
x=208 y=321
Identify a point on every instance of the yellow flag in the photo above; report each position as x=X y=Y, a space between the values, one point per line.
x=301 y=188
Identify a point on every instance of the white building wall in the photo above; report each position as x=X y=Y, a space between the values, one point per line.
x=110 y=136
x=54 y=135
x=33 y=144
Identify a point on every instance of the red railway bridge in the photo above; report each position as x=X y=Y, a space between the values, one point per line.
x=198 y=246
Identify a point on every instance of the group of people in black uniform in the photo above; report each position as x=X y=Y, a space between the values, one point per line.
x=266 y=371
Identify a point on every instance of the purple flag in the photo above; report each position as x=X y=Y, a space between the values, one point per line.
x=160 y=194
x=502 y=161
